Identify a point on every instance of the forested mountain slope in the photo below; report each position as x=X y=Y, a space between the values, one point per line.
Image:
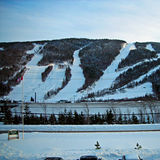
x=79 y=70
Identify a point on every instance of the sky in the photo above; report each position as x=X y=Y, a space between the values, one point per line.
x=30 y=20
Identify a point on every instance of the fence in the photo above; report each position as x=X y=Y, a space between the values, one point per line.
x=75 y=118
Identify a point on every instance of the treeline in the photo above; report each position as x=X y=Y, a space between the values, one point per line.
x=75 y=118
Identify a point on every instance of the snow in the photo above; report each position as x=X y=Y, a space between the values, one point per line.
x=149 y=47
x=109 y=74
x=137 y=91
x=147 y=74
x=77 y=80
x=129 y=93
x=32 y=81
x=75 y=128
x=1 y=49
x=70 y=146
x=35 y=49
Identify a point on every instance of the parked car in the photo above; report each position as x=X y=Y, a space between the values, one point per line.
x=89 y=157
x=53 y=158
x=131 y=157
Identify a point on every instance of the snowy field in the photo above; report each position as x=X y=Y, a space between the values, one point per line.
x=70 y=146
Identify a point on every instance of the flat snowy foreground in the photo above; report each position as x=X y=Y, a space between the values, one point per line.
x=70 y=146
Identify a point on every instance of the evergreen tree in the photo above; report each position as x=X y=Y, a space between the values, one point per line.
x=16 y=119
x=7 y=115
x=81 y=118
x=61 y=118
x=148 y=119
x=69 y=118
x=76 y=118
x=120 y=119
x=134 y=119
x=99 y=119
x=41 y=119
x=125 y=119
x=110 y=117
x=97 y=145
x=26 y=114
x=52 y=119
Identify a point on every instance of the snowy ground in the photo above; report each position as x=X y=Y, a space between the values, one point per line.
x=70 y=146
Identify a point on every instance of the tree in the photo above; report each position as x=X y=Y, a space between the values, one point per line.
x=97 y=145
x=148 y=119
x=69 y=118
x=138 y=147
x=16 y=119
x=61 y=119
x=125 y=119
x=110 y=117
x=134 y=119
x=81 y=118
x=120 y=119
x=76 y=118
x=87 y=113
x=7 y=115
x=26 y=114
x=52 y=119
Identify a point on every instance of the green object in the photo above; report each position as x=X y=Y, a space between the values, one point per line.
x=13 y=134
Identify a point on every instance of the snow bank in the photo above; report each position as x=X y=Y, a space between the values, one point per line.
x=63 y=128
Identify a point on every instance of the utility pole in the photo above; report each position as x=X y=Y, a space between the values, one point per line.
x=22 y=108
x=35 y=96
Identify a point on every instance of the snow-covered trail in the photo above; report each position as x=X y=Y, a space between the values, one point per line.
x=138 y=91
x=31 y=76
x=110 y=73
x=32 y=80
x=76 y=81
x=129 y=93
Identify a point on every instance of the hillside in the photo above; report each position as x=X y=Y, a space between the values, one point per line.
x=79 y=70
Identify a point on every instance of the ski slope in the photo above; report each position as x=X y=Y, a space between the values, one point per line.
x=77 y=80
x=32 y=80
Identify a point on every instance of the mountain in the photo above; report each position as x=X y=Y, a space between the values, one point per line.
x=79 y=70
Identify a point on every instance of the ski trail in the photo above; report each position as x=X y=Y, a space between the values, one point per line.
x=138 y=91
x=143 y=76
x=109 y=74
x=31 y=77
x=77 y=80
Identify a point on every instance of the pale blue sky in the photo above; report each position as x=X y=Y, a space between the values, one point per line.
x=130 y=20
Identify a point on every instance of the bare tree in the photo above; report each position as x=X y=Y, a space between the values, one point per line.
x=151 y=107
x=44 y=106
x=87 y=113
